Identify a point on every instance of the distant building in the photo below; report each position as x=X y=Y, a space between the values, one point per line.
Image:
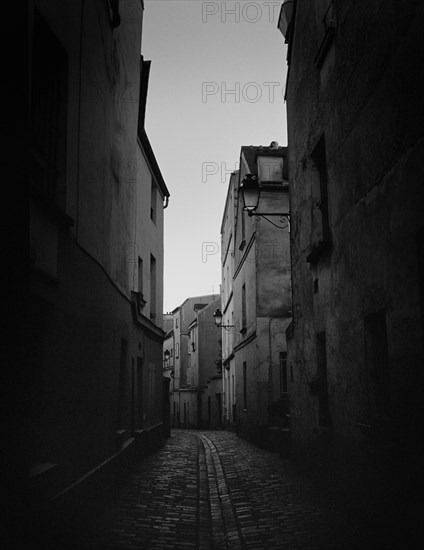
x=167 y=322
x=204 y=373
x=97 y=199
x=227 y=302
x=355 y=139
x=256 y=297
x=183 y=395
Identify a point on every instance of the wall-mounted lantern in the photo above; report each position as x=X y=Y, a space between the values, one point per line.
x=218 y=319
x=250 y=190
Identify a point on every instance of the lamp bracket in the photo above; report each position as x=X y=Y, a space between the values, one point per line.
x=284 y=218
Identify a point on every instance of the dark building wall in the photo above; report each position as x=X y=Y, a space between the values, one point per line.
x=355 y=127
x=94 y=390
x=209 y=346
x=261 y=292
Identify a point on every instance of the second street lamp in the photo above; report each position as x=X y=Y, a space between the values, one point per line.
x=218 y=319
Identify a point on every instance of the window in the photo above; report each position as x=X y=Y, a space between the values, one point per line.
x=243 y=309
x=141 y=302
x=115 y=18
x=176 y=322
x=153 y=201
x=283 y=374
x=244 y=385
x=321 y=236
x=140 y=276
x=243 y=230
x=152 y=287
x=48 y=114
x=377 y=359
x=323 y=405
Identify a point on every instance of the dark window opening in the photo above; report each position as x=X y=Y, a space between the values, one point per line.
x=319 y=157
x=243 y=309
x=244 y=385
x=48 y=114
x=243 y=230
x=321 y=234
x=140 y=276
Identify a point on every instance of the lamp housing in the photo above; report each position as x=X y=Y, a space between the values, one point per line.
x=218 y=317
x=250 y=192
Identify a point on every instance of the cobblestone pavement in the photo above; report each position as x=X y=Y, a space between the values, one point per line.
x=214 y=490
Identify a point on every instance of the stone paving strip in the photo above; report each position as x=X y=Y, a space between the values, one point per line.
x=211 y=490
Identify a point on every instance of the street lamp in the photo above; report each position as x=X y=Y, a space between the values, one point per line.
x=250 y=190
x=218 y=319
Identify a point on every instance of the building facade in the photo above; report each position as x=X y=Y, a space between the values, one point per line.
x=97 y=201
x=180 y=341
x=204 y=371
x=355 y=141
x=256 y=297
x=227 y=303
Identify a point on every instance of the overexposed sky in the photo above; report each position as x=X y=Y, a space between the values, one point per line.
x=216 y=83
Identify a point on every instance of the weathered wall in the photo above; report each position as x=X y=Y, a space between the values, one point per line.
x=262 y=265
x=208 y=343
x=228 y=235
x=92 y=409
x=367 y=101
x=149 y=237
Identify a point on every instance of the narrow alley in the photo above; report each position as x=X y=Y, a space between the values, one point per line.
x=217 y=332
x=213 y=490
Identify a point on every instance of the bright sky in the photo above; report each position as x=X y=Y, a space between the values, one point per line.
x=216 y=83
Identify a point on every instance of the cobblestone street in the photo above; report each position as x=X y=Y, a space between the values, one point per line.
x=214 y=490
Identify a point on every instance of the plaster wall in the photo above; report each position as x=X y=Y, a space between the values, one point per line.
x=90 y=401
x=149 y=238
x=370 y=110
